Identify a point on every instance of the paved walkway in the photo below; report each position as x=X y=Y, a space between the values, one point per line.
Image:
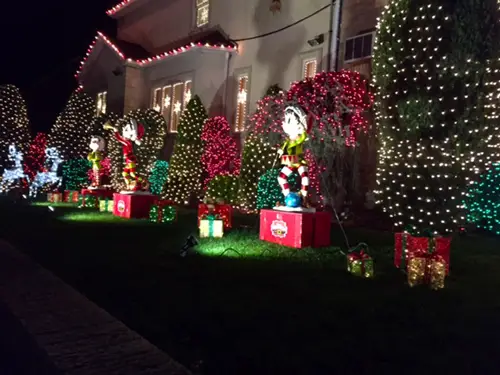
x=63 y=331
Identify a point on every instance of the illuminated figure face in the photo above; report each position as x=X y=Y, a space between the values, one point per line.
x=97 y=143
x=294 y=124
x=130 y=130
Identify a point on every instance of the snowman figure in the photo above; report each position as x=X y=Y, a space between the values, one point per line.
x=97 y=145
x=296 y=128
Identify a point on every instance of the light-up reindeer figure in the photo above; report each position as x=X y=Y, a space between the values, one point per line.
x=14 y=175
x=49 y=175
x=97 y=145
x=296 y=127
x=131 y=133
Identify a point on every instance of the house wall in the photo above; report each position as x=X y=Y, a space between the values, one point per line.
x=98 y=76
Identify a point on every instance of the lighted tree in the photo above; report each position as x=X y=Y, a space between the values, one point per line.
x=72 y=129
x=220 y=153
x=269 y=191
x=435 y=69
x=34 y=161
x=75 y=174
x=147 y=153
x=14 y=123
x=159 y=176
x=184 y=177
x=223 y=188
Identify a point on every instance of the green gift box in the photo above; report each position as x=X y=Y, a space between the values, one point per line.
x=162 y=212
x=359 y=262
x=106 y=205
x=88 y=201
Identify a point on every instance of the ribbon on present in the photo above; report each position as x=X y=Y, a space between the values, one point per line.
x=408 y=231
x=360 y=254
x=211 y=218
x=104 y=204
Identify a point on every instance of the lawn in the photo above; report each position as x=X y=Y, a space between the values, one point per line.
x=240 y=306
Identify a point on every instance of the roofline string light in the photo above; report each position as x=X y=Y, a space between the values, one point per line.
x=118 y=7
x=150 y=60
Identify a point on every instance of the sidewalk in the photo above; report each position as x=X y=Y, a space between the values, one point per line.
x=68 y=332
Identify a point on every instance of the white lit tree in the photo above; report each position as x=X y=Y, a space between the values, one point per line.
x=435 y=68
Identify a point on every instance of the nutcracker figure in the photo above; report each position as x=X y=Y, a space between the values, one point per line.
x=296 y=127
x=131 y=133
x=97 y=145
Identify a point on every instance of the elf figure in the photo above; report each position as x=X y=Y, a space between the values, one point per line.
x=292 y=152
x=97 y=145
x=131 y=133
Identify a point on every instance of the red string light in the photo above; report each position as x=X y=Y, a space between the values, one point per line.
x=220 y=153
x=34 y=160
x=118 y=7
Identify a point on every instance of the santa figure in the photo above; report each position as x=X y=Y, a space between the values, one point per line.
x=296 y=128
x=97 y=145
x=131 y=133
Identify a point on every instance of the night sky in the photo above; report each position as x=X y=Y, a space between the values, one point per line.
x=42 y=45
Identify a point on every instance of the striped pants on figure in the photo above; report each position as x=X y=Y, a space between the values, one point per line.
x=304 y=179
x=130 y=176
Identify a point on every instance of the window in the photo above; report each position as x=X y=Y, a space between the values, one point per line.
x=358 y=47
x=170 y=101
x=202 y=12
x=241 y=102
x=309 y=68
x=101 y=102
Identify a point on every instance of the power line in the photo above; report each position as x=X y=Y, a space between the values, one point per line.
x=284 y=28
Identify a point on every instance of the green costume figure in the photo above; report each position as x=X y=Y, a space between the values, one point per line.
x=97 y=145
x=292 y=152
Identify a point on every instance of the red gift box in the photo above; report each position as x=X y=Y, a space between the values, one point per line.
x=224 y=211
x=407 y=246
x=70 y=196
x=134 y=206
x=295 y=229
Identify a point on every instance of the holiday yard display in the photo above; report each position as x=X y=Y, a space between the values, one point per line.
x=158 y=177
x=54 y=197
x=133 y=206
x=97 y=145
x=104 y=173
x=91 y=198
x=223 y=189
x=220 y=153
x=427 y=268
x=14 y=123
x=435 y=68
x=73 y=127
x=211 y=226
x=75 y=173
x=295 y=229
x=13 y=177
x=134 y=152
x=359 y=262
x=34 y=159
x=48 y=179
x=70 y=196
x=407 y=246
x=106 y=205
x=482 y=202
x=184 y=176
x=223 y=211
x=162 y=211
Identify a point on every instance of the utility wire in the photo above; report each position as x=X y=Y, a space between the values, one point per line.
x=283 y=28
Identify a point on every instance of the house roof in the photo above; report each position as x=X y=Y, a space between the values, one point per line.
x=135 y=54
x=115 y=9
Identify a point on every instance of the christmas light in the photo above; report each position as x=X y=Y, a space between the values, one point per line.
x=75 y=174
x=147 y=153
x=48 y=179
x=220 y=153
x=158 y=177
x=72 y=130
x=269 y=191
x=223 y=189
x=105 y=172
x=119 y=7
x=14 y=124
x=13 y=177
x=35 y=157
x=152 y=59
x=184 y=177
x=435 y=68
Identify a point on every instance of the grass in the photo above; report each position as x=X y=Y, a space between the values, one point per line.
x=264 y=309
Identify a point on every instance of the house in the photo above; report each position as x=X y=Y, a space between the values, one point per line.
x=226 y=51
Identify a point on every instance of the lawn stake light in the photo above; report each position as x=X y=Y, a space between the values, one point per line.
x=191 y=241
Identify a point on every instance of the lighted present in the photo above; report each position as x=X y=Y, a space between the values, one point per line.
x=359 y=262
x=55 y=197
x=211 y=226
x=162 y=212
x=106 y=205
x=427 y=268
x=88 y=201
x=70 y=196
x=407 y=245
x=223 y=211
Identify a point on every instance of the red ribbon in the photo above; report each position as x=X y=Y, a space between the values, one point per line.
x=361 y=256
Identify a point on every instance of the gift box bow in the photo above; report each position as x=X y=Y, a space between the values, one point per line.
x=359 y=252
x=210 y=217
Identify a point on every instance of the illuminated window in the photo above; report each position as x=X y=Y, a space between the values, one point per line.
x=358 y=47
x=102 y=102
x=166 y=102
x=309 y=68
x=176 y=106
x=202 y=12
x=242 y=102
x=157 y=100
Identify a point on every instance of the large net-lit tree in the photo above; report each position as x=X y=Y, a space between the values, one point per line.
x=185 y=172
x=435 y=68
x=14 y=123
x=71 y=131
x=146 y=153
